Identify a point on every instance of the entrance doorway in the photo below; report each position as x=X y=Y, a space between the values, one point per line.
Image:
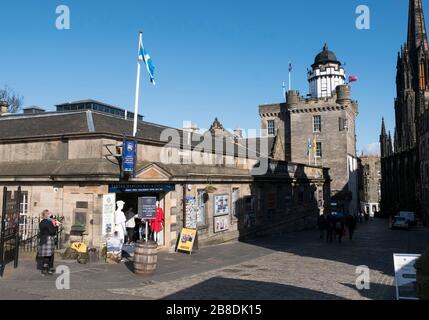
x=131 y=206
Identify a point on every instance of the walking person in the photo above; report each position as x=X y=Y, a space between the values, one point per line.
x=330 y=228
x=339 y=228
x=351 y=225
x=46 y=250
x=130 y=224
x=321 y=223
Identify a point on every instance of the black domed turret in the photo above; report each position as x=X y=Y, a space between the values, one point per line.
x=325 y=56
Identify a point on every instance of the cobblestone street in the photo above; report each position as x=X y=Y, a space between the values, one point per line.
x=288 y=266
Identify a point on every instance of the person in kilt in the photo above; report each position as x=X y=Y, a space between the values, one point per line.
x=46 y=248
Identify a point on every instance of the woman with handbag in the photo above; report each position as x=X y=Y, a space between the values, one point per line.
x=46 y=248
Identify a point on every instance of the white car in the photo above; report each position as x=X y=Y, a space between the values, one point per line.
x=399 y=223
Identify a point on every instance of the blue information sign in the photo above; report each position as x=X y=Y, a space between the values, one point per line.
x=129 y=156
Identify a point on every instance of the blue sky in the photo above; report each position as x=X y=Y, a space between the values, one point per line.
x=213 y=58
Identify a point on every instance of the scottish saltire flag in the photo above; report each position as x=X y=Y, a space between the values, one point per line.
x=309 y=147
x=145 y=57
x=353 y=79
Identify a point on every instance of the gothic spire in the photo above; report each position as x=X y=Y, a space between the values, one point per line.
x=417 y=36
x=383 y=128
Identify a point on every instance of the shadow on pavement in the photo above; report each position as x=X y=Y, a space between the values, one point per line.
x=231 y=289
x=373 y=245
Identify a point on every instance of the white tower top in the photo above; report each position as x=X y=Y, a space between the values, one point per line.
x=326 y=74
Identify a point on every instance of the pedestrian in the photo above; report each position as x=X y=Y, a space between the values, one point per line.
x=46 y=249
x=321 y=223
x=351 y=225
x=130 y=224
x=339 y=228
x=366 y=217
x=330 y=228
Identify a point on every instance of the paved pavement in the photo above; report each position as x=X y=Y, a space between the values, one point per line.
x=287 y=266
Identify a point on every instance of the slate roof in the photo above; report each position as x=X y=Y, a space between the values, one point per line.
x=55 y=124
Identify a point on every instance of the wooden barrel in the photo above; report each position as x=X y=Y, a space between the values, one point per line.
x=145 y=257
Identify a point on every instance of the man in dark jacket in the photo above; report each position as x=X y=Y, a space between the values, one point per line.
x=351 y=225
x=46 y=248
x=330 y=228
x=322 y=224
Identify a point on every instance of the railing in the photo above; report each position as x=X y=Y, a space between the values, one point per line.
x=29 y=235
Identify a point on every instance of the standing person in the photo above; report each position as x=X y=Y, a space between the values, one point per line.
x=330 y=227
x=46 y=248
x=321 y=223
x=339 y=228
x=130 y=224
x=351 y=225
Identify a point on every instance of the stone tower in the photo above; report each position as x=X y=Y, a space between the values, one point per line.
x=326 y=120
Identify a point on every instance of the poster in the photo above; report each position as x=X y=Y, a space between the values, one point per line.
x=114 y=250
x=187 y=240
x=109 y=207
x=406 y=276
x=221 y=205
x=221 y=224
x=191 y=213
x=147 y=208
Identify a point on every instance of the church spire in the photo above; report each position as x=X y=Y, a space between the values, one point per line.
x=417 y=36
x=383 y=128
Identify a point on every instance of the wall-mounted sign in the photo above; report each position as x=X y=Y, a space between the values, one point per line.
x=406 y=276
x=129 y=156
x=147 y=208
x=191 y=212
x=138 y=188
x=221 y=205
x=221 y=224
x=187 y=240
x=109 y=203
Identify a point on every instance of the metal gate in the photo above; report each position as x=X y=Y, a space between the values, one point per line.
x=9 y=231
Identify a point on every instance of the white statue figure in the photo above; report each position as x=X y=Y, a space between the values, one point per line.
x=120 y=220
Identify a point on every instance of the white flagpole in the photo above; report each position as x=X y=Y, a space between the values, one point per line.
x=284 y=91
x=136 y=104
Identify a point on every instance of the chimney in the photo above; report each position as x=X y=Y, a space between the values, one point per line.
x=4 y=107
x=238 y=133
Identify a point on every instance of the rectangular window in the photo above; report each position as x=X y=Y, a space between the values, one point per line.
x=23 y=209
x=271 y=127
x=317 y=123
x=343 y=124
x=235 y=198
x=202 y=208
x=319 y=149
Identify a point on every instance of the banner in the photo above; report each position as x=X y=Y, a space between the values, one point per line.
x=129 y=155
x=109 y=207
x=187 y=240
x=406 y=276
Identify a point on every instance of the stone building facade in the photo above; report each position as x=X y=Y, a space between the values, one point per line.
x=320 y=129
x=370 y=194
x=66 y=162
x=403 y=159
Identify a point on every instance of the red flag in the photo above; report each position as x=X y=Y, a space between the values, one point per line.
x=353 y=79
